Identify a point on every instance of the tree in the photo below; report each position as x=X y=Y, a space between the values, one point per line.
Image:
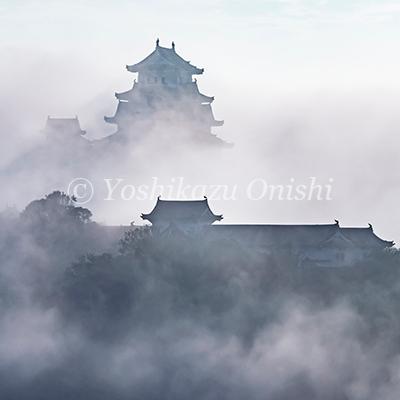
x=57 y=207
x=136 y=241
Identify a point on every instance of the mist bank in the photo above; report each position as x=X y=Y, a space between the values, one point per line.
x=345 y=133
x=185 y=317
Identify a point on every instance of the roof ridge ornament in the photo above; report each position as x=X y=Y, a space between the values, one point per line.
x=370 y=227
x=173 y=46
x=157 y=42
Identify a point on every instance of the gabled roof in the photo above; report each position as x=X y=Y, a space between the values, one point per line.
x=127 y=94
x=63 y=125
x=181 y=212
x=123 y=111
x=203 y=97
x=365 y=237
x=207 y=116
x=338 y=240
x=186 y=91
x=164 y=56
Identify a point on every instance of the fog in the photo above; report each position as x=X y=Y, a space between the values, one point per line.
x=340 y=134
x=307 y=90
x=296 y=104
x=159 y=317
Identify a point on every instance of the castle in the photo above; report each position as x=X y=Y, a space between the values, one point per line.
x=164 y=100
x=165 y=95
x=327 y=245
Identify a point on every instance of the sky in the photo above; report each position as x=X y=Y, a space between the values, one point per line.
x=306 y=88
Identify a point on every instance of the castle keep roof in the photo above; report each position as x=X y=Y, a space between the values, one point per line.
x=165 y=87
x=163 y=56
x=181 y=212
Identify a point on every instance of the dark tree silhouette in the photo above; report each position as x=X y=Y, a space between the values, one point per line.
x=56 y=207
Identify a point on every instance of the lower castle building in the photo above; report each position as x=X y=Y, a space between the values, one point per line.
x=327 y=245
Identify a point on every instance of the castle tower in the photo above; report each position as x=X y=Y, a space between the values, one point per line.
x=181 y=215
x=166 y=94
